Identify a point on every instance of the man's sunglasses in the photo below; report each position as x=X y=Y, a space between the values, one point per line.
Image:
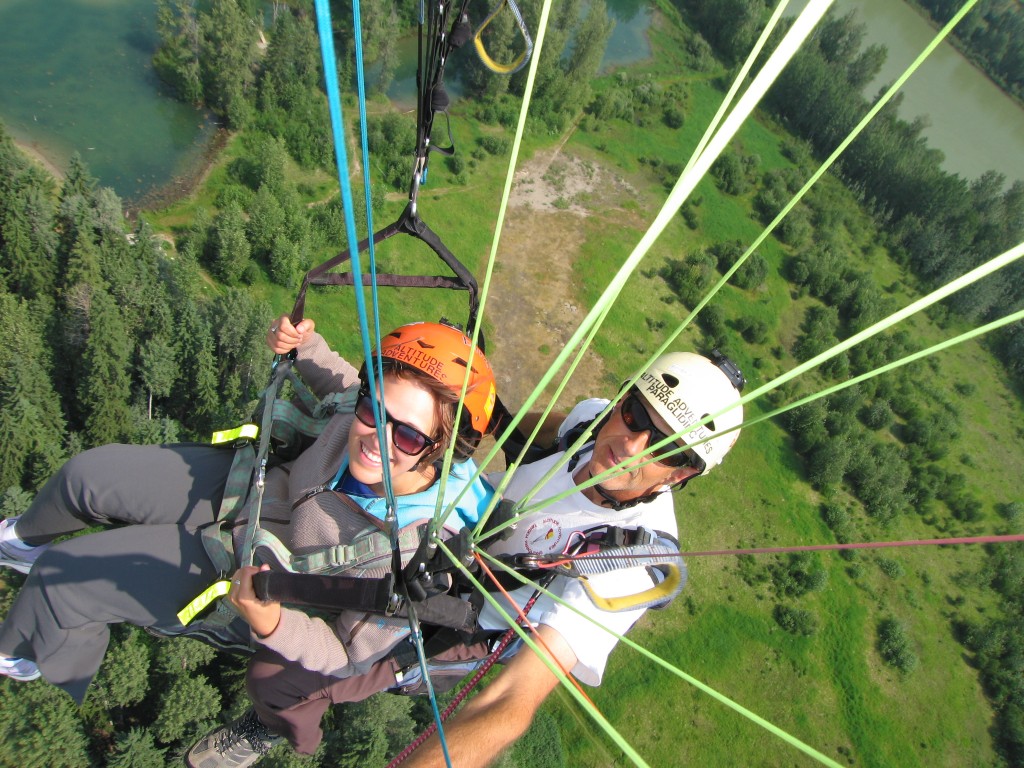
x=406 y=438
x=637 y=419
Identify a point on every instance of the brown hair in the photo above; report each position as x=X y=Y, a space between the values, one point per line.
x=446 y=400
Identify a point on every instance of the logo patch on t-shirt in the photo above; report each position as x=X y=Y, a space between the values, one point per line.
x=543 y=536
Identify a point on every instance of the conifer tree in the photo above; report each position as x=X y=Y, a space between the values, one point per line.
x=195 y=393
x=31 y=424
x=231 y=249
x=187 y=708
x=105 y=388
x=228 y=60
x=40 y=727
x=28 y=244
x=123 y=677
x=266 y=223
x=137 y=749
x=372 y=730
x=239 y=324
x=177 y=59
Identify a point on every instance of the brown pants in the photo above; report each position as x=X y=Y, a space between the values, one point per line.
x=291 y=700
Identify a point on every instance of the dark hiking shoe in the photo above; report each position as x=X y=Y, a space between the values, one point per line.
x=236 y=745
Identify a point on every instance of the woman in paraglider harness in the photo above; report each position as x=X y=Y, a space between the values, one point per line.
x=162 y=497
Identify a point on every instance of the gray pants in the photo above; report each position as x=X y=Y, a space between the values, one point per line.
x=142 y=572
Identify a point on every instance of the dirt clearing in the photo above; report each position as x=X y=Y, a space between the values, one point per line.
x=533 y=304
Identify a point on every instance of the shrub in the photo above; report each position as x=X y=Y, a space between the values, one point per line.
x=834 y=515
x=1011 y=511
x=799 y=575
x=894 y=646
x=796 y=621
x=752 y=274
x=494 y=145
x=878 y=415
x=674 y=118
x=891 y=568
x=728 y=170
x=456 y=164
x=753 y=330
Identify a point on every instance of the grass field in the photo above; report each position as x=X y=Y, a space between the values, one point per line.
x=832 y=689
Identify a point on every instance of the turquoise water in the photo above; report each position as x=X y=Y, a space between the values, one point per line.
x=975 y=125
x=628 y=43
x=77 y=77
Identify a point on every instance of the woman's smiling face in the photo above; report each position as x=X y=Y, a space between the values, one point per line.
x=407 y=402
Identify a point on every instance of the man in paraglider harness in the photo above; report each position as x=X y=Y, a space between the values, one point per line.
x=670 y=399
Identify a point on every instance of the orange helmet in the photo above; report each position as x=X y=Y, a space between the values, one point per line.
x=442 y=351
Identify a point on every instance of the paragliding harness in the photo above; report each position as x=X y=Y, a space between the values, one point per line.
x=600 y=550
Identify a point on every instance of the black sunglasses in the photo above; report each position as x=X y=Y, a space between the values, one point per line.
x=406 y=438
x=637 y=419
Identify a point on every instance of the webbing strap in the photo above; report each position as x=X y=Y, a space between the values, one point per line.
x=217 y=537
x=362 y=552
x=242 y=433
x=324 y=592
x=408 y=223
x=207 y=596
x=335 y=593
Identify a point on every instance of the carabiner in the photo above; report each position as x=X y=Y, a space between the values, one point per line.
x=520 y=61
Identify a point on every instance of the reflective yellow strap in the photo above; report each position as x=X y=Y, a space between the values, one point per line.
x=522 y=58
x=244 y=432
x=647 y=597
x=211 y=593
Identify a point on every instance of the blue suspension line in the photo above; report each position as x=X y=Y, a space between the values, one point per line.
x=357 y=29
x=323 y=16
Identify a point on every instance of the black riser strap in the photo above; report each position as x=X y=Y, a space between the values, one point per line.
x=336 y=593
x=330 y=593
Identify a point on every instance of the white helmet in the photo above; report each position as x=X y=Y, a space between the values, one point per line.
x=685 y=389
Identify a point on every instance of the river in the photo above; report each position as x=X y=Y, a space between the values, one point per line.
x=975 y=124
x=78 y=78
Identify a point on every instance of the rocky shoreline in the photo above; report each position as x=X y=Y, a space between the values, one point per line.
x=182 y=185
x=176 y=189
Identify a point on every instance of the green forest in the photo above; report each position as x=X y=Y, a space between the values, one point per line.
x=153 y=332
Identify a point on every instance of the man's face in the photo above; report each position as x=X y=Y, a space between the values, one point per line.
x=617 y=443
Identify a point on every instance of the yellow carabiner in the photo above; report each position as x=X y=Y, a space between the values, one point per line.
x=520 y=61
x=667 y=588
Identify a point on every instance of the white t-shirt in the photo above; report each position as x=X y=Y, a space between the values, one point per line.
x=549 y=530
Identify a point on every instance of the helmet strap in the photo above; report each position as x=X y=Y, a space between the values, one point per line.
x=615 y=504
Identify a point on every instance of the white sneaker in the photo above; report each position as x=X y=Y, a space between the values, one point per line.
x=19 y=669
x=14 y=553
